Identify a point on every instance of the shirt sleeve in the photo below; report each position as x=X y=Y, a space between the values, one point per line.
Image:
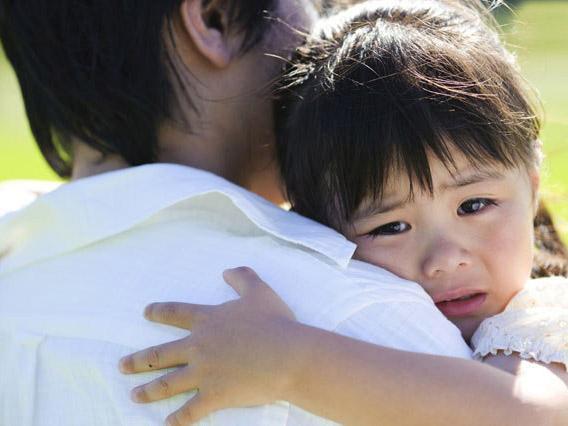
x=534 y=324
x=409 y=325
x=15 y=195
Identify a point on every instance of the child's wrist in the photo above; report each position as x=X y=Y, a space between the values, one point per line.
x=297 y=360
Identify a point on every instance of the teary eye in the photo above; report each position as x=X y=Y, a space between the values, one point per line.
x=392 y=228
x=475 y=205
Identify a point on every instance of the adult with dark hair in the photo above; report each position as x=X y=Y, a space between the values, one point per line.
x=109 y=85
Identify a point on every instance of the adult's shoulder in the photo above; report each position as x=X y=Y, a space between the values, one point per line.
x=17 y=194
x=397 y=313
x=377 y=279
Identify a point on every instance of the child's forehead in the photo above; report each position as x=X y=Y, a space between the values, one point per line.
x=444 y=173
x=400 y=189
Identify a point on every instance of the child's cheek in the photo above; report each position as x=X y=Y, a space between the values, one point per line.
x=392 y=257
x=507 y=256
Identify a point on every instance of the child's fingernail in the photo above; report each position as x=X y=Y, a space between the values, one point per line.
x=147 y=311
x=135 y=394
x=172 y=421
x=123 y=365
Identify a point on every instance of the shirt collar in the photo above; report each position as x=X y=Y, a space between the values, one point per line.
x=91 y=209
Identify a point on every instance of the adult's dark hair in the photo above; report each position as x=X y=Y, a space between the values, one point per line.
x=97 y=70
x=379 y=86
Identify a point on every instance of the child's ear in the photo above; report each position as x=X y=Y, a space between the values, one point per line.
x=206 y=23
x=534 y=179
x=534 y=172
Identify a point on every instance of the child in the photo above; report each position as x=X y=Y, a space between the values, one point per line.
x=405 y=126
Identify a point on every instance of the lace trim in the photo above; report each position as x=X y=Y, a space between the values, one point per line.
x=534 y=324
x=540 y=334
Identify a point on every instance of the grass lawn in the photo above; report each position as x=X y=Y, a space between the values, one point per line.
x=536 y=32
x=19 y=157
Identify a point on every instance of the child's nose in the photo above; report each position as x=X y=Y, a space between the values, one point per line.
x=445 y=257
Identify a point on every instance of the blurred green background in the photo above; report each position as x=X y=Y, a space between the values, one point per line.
x=535 y=30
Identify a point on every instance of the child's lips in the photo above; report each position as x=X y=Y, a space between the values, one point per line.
x=460 y=305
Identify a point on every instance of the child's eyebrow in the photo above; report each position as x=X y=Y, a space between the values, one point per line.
x=389 y=206
x=383 y=207
x=459 y=181
x=471 y=179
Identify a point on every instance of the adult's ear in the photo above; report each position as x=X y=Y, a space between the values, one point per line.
x=207 y=25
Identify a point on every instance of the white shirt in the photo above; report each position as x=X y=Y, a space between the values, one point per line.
x=81 y=262
x=16 y=194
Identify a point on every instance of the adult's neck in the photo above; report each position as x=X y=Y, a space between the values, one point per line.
x=264 y=181
x=251 y=164
x=89 y=162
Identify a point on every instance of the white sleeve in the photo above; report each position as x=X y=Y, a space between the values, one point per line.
x=15 y=195
x=534 y=324
x=415 y=326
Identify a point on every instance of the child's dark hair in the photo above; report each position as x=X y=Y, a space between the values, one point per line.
x=551 y=256
x=379 y=86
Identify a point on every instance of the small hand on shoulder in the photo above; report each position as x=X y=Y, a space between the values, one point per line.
x=236 y=355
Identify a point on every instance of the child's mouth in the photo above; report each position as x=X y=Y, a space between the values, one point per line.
x=462 y=306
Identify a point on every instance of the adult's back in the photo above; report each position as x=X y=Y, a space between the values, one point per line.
x=84 y=260
x=109 y=85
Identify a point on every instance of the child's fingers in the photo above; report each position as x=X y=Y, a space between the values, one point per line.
x=169 y=385
x=182 y=315
x=170 y=354
x=192 y=411
x=244 y=280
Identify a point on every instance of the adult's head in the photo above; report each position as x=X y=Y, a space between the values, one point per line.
x=141 y=81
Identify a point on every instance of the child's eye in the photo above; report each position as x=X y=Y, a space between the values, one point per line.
x=475 y=205
x=392 y=228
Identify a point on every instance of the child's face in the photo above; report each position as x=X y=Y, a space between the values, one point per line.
x=469 y=245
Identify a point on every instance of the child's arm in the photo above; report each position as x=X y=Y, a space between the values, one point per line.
x=386 y=386
x=251 y=351
x=517 y=366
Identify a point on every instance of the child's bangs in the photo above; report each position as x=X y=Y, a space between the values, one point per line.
x=378 y=138
x=403 y=148
x=392 y=88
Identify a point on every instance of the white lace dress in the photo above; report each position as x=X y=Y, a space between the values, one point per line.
x=534 y=324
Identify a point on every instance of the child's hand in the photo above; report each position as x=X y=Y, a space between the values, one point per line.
x=236 y=356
